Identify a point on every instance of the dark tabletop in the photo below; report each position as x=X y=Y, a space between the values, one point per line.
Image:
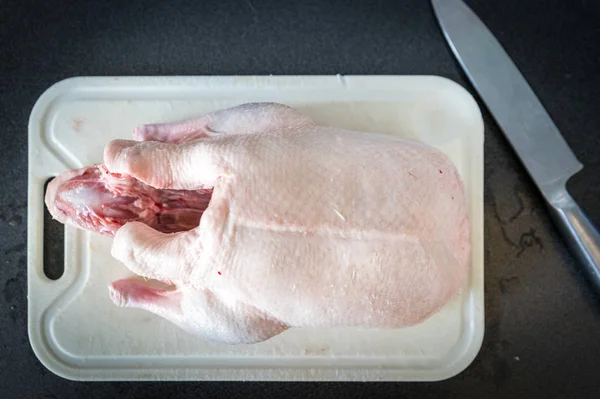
x=542 y=318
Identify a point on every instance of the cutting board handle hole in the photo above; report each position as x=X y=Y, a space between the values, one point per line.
x=54 y=244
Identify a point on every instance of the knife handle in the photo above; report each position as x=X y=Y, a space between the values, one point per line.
x=582 y=237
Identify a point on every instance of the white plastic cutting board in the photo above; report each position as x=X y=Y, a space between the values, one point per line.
x=79 y=334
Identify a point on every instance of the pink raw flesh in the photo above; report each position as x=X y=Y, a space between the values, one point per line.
x=97 y=200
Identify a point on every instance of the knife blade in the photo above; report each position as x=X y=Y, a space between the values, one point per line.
x=523 y=119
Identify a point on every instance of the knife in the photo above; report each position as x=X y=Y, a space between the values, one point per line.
x=532 y=134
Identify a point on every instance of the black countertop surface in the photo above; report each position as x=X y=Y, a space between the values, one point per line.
x=542 y=335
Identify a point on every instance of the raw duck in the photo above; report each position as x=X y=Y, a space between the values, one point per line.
x=259 y=220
